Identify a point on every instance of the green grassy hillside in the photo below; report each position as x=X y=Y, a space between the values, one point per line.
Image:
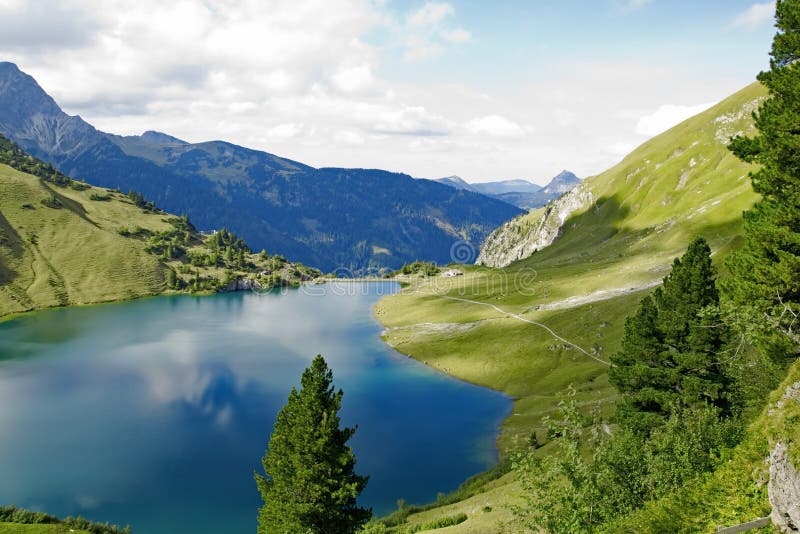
x=70 y=252
x=63 y=242
x=553 y=319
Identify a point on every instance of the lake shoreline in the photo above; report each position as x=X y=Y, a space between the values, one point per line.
x=10 y=316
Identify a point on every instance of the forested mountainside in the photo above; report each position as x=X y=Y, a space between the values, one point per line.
x=358 y=220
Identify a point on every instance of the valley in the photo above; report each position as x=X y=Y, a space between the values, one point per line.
x=198 y=336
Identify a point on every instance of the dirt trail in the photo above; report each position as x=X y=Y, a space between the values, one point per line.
x=525 y=320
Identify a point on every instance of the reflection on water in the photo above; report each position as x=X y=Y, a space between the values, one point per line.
x=156 y=412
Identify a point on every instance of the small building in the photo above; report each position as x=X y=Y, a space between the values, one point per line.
x=449 y=273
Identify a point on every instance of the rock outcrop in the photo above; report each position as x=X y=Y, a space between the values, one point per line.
x=784 y=490
x=524 y=235
x=784 y=477
x=244 y=284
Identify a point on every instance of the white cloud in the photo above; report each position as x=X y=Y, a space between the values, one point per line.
x=620 y=149
x=458 y=36
x=424 y=35
x=430 y=13
x=421 y=50
x=667 y=116
x=754 y=16
x=301 y=79
x=286 y=130
x=409 y=120
x=495 y=126
x=349 y=137
x=354 y=79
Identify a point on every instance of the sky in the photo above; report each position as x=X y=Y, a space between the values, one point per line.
x=483 y=90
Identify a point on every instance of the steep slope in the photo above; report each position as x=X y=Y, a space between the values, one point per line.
x=354 y=219
x=522 y=236
x=64 y=242
x=684 y=179
x=69 y=251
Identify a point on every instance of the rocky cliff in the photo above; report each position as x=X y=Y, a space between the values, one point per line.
x=524 y=235
x=784 y=477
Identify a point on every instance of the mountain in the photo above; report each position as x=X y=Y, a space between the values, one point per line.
x=520 y=193
x=357 y=220
x=457 y=182
x=64 y=242
x=506 y=186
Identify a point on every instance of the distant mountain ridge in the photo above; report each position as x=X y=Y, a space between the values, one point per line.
x=521 y=193
x=359 y=220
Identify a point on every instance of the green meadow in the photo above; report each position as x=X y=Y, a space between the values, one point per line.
x=73 y=253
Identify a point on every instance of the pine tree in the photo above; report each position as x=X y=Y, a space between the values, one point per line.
x=311 y=485
x=765 y=274
x=671 y=346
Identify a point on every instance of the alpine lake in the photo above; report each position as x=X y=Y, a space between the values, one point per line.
x=155 y=413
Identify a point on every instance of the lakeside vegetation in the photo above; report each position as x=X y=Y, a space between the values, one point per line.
x=15 y=520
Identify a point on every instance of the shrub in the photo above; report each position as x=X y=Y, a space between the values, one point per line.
x=52 y=202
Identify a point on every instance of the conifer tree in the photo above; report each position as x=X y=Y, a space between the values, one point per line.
x=311 y=485
x=765 y=274
x=671 y=346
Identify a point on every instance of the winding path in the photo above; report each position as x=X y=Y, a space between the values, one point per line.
x=524 y=320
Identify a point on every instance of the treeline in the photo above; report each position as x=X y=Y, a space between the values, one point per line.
x=140 y=202
x=13 y=156
x=698 y=357
x=427 y=268
x=210 y=263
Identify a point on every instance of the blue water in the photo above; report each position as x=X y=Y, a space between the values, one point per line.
x=156 y=412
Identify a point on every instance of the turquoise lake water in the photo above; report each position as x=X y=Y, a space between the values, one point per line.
x=156 y=412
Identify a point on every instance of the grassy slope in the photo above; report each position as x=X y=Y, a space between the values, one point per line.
x=16 y=528
x=72 y=255
x=75 y=253
x=647 y=208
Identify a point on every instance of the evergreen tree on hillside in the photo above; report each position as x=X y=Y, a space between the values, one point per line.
x=311 y=485
x=671 y=346
x=765 y=274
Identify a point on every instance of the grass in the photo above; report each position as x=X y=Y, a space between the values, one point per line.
x=16 y=528
x=645 y=211
x=71 y=254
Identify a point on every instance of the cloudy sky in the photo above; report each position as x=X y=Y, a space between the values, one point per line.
x=484 y=90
